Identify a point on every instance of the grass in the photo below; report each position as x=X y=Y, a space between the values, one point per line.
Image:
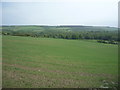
x=0 y=61
x=52 y=63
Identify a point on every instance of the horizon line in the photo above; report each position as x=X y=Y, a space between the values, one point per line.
x=56 y=25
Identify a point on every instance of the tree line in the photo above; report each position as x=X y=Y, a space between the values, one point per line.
x=98 y=35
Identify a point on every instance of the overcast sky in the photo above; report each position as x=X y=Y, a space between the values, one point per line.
x=61 y=12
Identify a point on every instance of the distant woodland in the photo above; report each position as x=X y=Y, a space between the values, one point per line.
x=102 y=34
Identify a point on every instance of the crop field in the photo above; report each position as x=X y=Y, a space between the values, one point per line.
x=29 y=62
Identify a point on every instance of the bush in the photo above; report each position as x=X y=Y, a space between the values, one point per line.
x=108 y=42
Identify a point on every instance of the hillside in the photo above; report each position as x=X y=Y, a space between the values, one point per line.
x=58 y=63
x=59 y=28
x=64 y=32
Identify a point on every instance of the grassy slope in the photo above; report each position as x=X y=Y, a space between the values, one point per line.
x=0 y=60
x=45 y=62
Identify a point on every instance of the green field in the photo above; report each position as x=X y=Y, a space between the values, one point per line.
x=52 y=63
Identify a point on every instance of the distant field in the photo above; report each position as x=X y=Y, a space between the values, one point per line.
x=51 y=63
x=57 y=28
